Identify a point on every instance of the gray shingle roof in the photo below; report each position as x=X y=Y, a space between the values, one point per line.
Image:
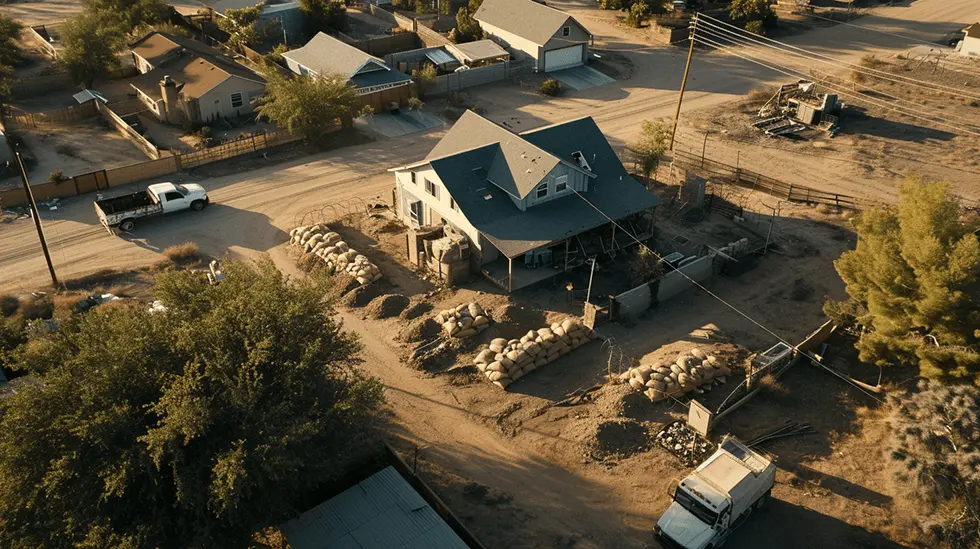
x=381 y=512
x=525 y=18
x=479 y=50
x=326 y=55
x=514 y=232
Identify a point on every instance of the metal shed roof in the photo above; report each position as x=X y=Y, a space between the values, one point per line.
x=380 y=512
x=440 y=57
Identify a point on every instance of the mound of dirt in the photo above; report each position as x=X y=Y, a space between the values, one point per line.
x=421 y=330
x=619 y=438
x=386 y=306
x=337 y=286
x=485 y=495
x=360 y=296
x=416 y=308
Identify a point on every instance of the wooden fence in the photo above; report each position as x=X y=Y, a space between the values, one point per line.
x=123 y=127
x=758 y=182
x=66 y=115
x=237 y=148
x=44 y=37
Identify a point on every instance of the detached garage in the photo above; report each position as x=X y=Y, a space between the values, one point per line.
x=549 y=39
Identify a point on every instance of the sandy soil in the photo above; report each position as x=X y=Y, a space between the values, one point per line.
x=35 y=12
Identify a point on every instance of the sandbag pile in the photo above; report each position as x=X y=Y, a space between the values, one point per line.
x=504 y=362
x=690 y=372
x=464 y=321
x=339 y=257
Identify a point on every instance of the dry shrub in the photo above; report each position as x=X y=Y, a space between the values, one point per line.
x=770 y=386
x=36 y=306
x=187 y=252
x=309 y=263
x=824 y=208
x=758 y=97
x=8 y=305
x=65 y=304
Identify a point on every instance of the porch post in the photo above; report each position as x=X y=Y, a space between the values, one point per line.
x=510 y=274
x=612 y=245
x=566 y=255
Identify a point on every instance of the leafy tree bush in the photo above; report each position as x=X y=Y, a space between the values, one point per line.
x=756 y=27
x=129 y=14
x=415 y=104
x=241 y=26
x=937 y=442
x=467 y=29
x=324 y=15
x=10 y=30
x=651 y=145
x=310 y=106
x=644 y=267
x=424 y=78
x=188 y=429
x=550 y=87
x=91 y=45
x=637 y=15
x=754 y=10
x=912 y=283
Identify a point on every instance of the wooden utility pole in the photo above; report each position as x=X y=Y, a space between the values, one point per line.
x=687 y=70
x=37 y=218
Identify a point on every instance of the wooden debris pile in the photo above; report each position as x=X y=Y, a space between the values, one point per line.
x=338 y=256
x=685 y=443
x=504 y=362
x=694 y=371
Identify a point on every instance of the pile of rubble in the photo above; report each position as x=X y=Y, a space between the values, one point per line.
x=688 y=445
x=694 y=371
x=504 y=362
x=338 y=256
x=464 y=321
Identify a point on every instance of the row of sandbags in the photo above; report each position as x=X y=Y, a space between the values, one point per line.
x=690 y=372
x=504 y=362
x=463 y=321
x=339 y=257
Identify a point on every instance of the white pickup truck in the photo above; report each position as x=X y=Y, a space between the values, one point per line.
x=157 y=199
x=716 y=498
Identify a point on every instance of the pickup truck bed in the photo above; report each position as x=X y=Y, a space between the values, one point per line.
x=122 y=203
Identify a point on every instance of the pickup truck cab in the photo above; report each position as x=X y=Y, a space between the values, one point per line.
x=716 y=498
x=157 y=199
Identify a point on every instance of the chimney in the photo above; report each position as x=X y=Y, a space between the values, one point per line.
x=171 y=111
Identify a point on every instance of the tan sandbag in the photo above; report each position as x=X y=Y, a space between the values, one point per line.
x=514 y=342
x=496 y=366
x=481 y=321
x=540 y=361
x=481 y=367
x=643 y=372
x=463 y=334
x=498 y=344
x=530 y=368
x=516 y=374
x=636 y=384
x=481 y=327
x=563 y=352
x=558 y=331
x=507 y=363
x=532 y=349
x=475 y=310
x=501 y=385
x=685 y=362
x=494 y=375
x=699 y=354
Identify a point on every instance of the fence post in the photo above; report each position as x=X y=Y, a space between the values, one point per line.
x=789 y=195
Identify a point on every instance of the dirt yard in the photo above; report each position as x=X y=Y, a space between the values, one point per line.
x=35 y=12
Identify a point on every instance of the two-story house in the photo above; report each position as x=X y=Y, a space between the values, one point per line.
x=526 y=202
x=550 y=39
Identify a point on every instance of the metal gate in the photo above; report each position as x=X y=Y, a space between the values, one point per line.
x=91 y=182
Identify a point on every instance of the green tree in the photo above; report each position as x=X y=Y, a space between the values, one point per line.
x=936 y=440
x=467 y=29
x=756 y=27
x=10 y=31
x=311 y=106
x=637 y=15
x=912 y=283
x=192 y=428
x=324 y=15
x=754 y=10
x=129 y=13
x=649 y=148
x=424 y=78
x=91 y=46
x=644 y=267
x=241 y=26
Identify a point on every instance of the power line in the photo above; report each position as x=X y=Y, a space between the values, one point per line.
x=727 y=304
x=834 y=87
x=810 y=55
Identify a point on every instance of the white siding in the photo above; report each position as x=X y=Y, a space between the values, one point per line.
x=970 y=46
x=217 y=102
x=408 y=191
x=576 y=180
x=515 y=44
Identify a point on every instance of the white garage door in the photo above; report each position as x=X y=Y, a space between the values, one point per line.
x=564 y=58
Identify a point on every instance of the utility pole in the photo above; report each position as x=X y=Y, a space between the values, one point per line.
x=687 y=70
x=37 y=218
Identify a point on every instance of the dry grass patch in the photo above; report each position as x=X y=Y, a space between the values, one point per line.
x=188 y=252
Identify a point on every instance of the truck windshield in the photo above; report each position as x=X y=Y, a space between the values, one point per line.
x=181 y=189
x=695 y=507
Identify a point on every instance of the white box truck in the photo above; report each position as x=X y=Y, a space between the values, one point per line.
x=157 y=199
x=716 y=498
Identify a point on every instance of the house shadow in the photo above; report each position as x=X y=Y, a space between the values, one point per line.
x=857 y=121
x=783 y=524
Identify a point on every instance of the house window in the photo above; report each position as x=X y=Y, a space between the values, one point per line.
x=542 y=190
x=431 y=188
x=452 y=204
x=237 y=100
x=561 y=183
x=566 y=31
x=413 y=177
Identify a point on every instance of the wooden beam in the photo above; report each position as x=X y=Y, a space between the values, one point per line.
x=510 y=274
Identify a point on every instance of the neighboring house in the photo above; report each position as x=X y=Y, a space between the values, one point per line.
x=551 y=39
x=449 y=57
x=286 y=14
x=376 y=83
x=183 y=80
x=539 y=198
x=970 y=45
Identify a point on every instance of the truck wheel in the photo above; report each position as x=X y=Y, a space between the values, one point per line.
x=761 y=502
x=198 y=205
x=127 y=225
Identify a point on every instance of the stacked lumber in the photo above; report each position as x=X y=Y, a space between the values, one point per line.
x=338 y=256
x=463 y=321
x=504 y=362
x=692 y=371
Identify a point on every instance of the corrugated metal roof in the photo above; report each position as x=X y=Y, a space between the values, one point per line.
x=381 y=512
x=440 y=57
